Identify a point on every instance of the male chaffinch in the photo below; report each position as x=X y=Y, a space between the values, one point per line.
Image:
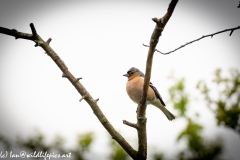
x=135 y=88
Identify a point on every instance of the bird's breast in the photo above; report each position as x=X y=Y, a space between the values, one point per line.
x=135 y=88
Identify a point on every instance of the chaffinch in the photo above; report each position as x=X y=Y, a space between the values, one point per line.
x=135 y=88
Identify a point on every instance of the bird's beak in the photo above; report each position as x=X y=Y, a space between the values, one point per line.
x=126 y=75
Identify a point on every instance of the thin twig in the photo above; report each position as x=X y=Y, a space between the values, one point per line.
x=134 y=125
x=49 y=40
x=209 y=35
x=34 y=32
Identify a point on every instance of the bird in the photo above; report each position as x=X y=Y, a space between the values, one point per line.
x=134 y=89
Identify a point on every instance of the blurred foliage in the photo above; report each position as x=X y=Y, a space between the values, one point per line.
x=117 y=152
x=158 y=156
x=5 y=143
x=197 y=148
x=226 y=105
x=37 y=142
x=85 y=140
x=34 y=143
x=178 y=96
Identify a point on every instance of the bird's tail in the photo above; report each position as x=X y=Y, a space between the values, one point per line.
x=168 y=114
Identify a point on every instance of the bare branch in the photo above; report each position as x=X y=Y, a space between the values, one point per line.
x=16 y=34
x=141 y=111
x=209 y=35
x=78 y=86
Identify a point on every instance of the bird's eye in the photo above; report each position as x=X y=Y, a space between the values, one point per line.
x=130 y=73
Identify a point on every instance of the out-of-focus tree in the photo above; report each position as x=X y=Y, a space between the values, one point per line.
x=225 y=106
x=178 y=96
x=117 y=152
x=37 y=143
x=158 y=156
x=198 y=147
x=225 y=103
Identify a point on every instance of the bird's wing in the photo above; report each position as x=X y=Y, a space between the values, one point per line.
x=157 y=93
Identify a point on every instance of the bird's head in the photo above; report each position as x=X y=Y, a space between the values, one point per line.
x=133 y=72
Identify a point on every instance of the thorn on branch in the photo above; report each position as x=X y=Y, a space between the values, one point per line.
x=64 y=75
x=77 y=79
x=34 y=32
x=97 y=100
x=156 y=20
x=231 y=32
x=83 y=97
x=49 y=40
